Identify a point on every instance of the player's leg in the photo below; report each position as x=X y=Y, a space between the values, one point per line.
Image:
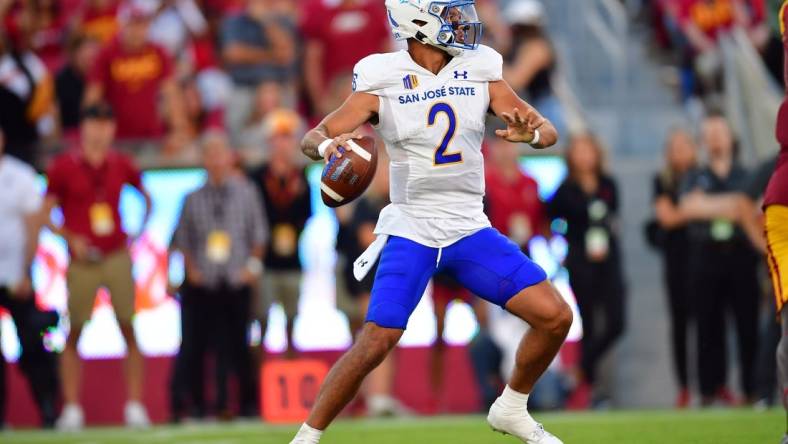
x=782 y=367
x=776 y=221
x=549 y=316
x=378 y=388
x=404 y=270
x=117 y=274
x=494 y=268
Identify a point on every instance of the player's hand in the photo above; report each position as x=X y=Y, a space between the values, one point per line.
x=333 y=149
x=520 y=127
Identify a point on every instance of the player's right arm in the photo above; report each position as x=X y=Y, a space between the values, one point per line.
x=340 y=125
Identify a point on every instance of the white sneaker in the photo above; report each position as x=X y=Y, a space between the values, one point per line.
x=71 y=419
x=520 y=424
x=384 y=406
x=136 y=416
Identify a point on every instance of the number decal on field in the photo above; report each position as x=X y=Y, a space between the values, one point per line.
x=288 y=389
x=441 y=156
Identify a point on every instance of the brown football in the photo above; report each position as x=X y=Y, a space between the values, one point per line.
x=347 y=177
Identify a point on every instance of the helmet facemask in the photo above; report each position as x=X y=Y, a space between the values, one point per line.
x=460 y=26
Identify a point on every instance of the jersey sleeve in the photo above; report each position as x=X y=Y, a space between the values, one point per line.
x=368 y=77
x=488 y=64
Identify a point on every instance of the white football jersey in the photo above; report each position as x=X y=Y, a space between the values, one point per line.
x=433 y=127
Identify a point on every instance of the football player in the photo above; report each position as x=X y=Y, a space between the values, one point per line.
x=776 y=221
x=429 y=104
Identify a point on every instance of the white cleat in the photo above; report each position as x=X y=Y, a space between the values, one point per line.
x=72 y=418
x=136 y=416
x=381 y=406
x=519 y=424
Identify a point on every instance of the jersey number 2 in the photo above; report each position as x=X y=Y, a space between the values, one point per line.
x=441 y=156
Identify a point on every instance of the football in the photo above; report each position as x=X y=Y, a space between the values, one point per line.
x=345 y=178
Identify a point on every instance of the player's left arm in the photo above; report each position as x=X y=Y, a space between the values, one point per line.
x=522 y=120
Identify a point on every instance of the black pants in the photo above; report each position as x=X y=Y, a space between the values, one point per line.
x=599 y=290
x=677 y=280
x=212 y=319
x=725 y=282
x=38 y=365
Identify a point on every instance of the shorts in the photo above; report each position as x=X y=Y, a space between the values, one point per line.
x=776 y=222
x=486 y=263
x=283 y=286
x=445 y=290
x=84 y=279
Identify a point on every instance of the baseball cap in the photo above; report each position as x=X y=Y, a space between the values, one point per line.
x=525 y=12
x=282 y=122
x=134 y=10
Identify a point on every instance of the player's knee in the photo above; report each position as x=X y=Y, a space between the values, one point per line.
x=559 y=318
x=563 y=319
x=376 y=342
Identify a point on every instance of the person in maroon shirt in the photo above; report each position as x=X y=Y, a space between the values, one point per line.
x=130 y=73
x=338 y=34
x=512 y=197
x=86 y=183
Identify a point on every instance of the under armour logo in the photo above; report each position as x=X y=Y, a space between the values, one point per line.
x=363 y=263
x=463 y=75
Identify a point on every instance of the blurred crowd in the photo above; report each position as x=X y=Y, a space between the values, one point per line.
x=172 y=69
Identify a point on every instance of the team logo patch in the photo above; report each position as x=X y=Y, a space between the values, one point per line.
x=410 y=81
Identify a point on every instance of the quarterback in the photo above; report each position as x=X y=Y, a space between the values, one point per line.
x=429 y=104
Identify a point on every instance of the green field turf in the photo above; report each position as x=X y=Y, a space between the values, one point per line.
x=646 y=427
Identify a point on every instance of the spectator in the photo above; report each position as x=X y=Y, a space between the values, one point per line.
x=26 y=101
x=588 y=201
x=723 y=269
x=680 y=159
x=337 y=35
x=258 y=45
x=222 y=235
x=512 y=197
x=86 y=184
x=20 y=204
x=701 y=24
x=40 y=25
x=176 y=23
x=531 y=60
x=268 y=97
x=286 y=196
x=130 y=73
x=98 y=19
x=70 y=82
